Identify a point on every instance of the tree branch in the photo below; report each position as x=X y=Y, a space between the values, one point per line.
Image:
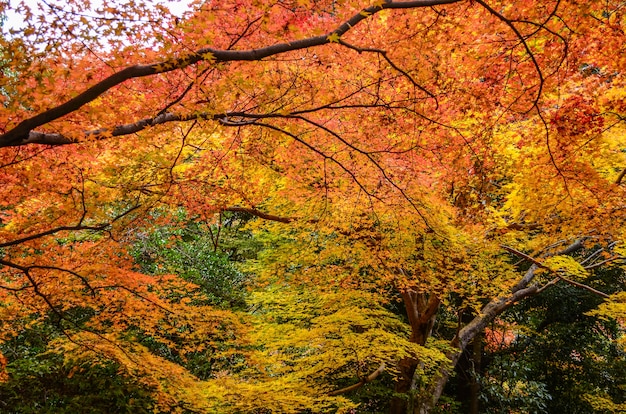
x=78 y=227
x=620 y=177
x=495 y=307
x=53 y=231
x=522 y=40
x=536 y=264
x=581 y=285
x=21 y=133
x=371 y=377
x=487 y=314
x=260 y=214
x=35 y=137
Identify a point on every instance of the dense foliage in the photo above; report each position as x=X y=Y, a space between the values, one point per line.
x=312 y=206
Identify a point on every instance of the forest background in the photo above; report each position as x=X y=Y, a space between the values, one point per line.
x=303 y=206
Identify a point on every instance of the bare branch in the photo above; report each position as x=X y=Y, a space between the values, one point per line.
x=581 y=285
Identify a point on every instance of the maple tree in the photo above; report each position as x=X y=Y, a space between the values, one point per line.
x=397 y=152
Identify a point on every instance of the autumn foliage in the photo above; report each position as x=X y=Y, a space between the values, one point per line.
x=398 y=164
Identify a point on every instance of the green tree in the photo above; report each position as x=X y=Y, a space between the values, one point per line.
x=561 y=359
x=199 y=253
x=40 y=379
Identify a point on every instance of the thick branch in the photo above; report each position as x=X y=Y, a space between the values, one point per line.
x=494 y=308
x=53 y=231
x=35 y=137
x=489 y=312
x=371 y=377
x=21 y=133
x=260 y=214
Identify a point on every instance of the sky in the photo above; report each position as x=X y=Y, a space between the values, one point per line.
x=178 y=7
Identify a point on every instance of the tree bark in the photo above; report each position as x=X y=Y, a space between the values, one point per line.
x=421 y=310
x=476 y=359
x=467 y=370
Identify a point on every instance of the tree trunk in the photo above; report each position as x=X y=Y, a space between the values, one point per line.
x=421 y=310
x=467 y=370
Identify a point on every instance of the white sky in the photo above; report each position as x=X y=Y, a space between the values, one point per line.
x=177 y=7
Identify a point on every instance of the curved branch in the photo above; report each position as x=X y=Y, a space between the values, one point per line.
x=522 y=40
x=582 y=286
x=51 y=232
x=391 y=63
x=376 y=164
x=59 y=313
x=318 y=152
x=20 y=133
x=78 y=227
x=260 y=214
x=371 y=377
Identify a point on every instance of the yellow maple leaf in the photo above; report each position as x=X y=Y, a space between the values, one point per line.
x=379 y=3
x=208 y=57
x=567 y=265
x=163 y=66
x=333 y=37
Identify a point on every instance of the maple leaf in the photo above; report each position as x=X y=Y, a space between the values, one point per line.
x=163 y=67
x=379 y=3
x=208 y=57
x=333 y=37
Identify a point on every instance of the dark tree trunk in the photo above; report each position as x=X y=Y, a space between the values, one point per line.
x=468 y=387
x=421 y=310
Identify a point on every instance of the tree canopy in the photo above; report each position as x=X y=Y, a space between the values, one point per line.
x=263 y=206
